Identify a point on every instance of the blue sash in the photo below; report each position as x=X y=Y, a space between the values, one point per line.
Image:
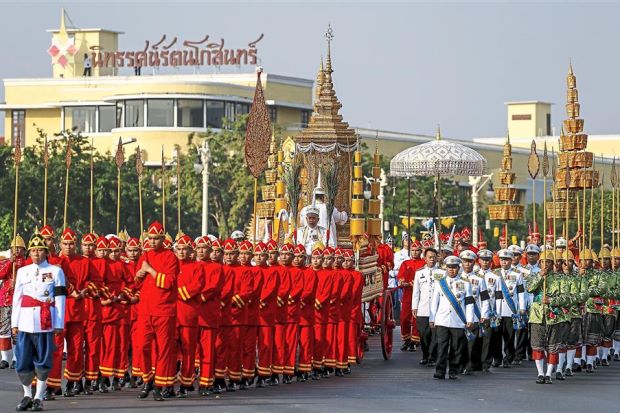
x=517 y=321
x=455 y=306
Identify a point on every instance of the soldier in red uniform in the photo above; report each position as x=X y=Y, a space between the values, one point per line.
x=306 y=315
x=267 y=313
x=355 y=325
x=8 y=268
x=385 y=261
x=156 y=279
x=466 y=240
x=132 y=252
x=190 y=284
x=334 y=310
x=322 y=305
x=281 y=262
x=343 y=305
x=222 y=348
x=293 y=309
x=207 y=253
x=406 y=275
x=250 y=335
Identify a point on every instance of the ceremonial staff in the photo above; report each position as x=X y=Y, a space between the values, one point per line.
x=602 y=206
x=555 y=208
x=257 y=139
x=139 y=170
x=163 y=189
x=46 y=159
x=614 y=182
x=293 y=189
x=545 y=170
x=17 y=158
x=533 y=167
x=178 y=170
x=591 y=205
x=119 y=159
x=566 y=213
x=92 y=186
x=68 y=165
x=330 y=177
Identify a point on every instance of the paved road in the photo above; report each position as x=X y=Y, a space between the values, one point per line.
x=398 y=385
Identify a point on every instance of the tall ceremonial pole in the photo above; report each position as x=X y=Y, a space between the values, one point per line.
x=614 y=183
x=139 y=170
x=178 y=170
x=533 y=167
x=566 y=213
x=119 y=159
x=163 y=189
x=602 y=207
x=17 y=158
x=68 y=166
x=553 y=161
x=92 y=185
x=591 y=206
x=545 y=170
x=46 y=159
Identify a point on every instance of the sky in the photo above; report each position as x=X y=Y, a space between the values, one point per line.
x=398 y=66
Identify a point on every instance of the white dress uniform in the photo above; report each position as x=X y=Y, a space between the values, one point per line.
x=423 y=285
x=308 y=236
x=399 y=257
x=492 y=282
x=480 y=293
x=338 y=217
x=41 y=283
x=441 y=311
x=514 y=282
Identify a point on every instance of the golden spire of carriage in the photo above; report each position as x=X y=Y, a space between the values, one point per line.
x=320 y=77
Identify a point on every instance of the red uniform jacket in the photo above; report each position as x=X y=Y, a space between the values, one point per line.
x=268 y=306
x=242 y=294
x=6 y=276
x=346 y=295
x=385 y=261
x=80 y=270
x=284 y=289
x=209 y=314
x=99 y=272
x=306 y=300
x=358 y=286
x=297 y=286
x=158 y=295
x=406 y=273
x=115 y=282
x=190 y=283
x=334 y=305
x=254 y=304
x=228 y=290
x=323 y=295
x=131 y=269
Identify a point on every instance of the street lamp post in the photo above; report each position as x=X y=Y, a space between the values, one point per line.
x=476 y=186
x=205 y=157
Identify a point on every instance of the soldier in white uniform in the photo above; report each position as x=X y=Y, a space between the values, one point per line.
x=312 y=232
x=532 y=254
x=338 y=217
x=509 y=302
x=38 y=313
x=452 y=311
x=492 y=342
x=423 y=285
x=399 y=257
x=481 y=311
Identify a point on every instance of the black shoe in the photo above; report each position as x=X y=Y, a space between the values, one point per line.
x=496 y=364
x=339 y=373
x=345 y=371
x=468 y=372
x=4 y=364
x=616 y=357
x=182 y=393
x=13 y=363
x=583 y=364
x=69 y=390
x=453 y=376
x=146 y=389
x=49 y=395
x=548 y=380
x=506 y=365
x=25 y=404
x=559 y=375
x=423 y=362
x=103 y=387
x=431 y=363
x=604 y=362
x=324 y=374
x=413 y=346
x=116 y=385
x=568 y=372
x=133 y=383
x=203 y=391
x=577 y=368
x=439 y=376
x=139 y=381
x=261 y=382
x=597 y=362
x=516 y=362
x=275 y=380
x=315 y=375
x=232 y=386
x=405 y=345
x=157 y=396
x=486 y=370
x=168 y=392
x=78 y=388
x=87 y=387
x=589 y=368
x=540 y=380
x=37 y=405
x=243 y=385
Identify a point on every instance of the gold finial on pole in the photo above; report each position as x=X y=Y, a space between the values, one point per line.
x=139 y=170
x=533 y=167
x=68 y=166
x=119 y=159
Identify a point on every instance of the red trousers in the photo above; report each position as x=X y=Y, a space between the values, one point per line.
x=279 y=349
x=292 y=338
x=353 y=341
x=329 y=350
x=206 y=350
x=188 y=337
x=234 y=360
x=93 y=331
x=161 y=331
x=265 y=350
x=136 y=366
x=74 y=334
x=53 y=379
x=320 y=345
x=342 y=349
x=406 y=317
x=306 y=348
x=111 y=350
x=221 y=351
x=249 y=351
x=125 y=345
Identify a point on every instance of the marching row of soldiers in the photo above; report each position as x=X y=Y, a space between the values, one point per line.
x=473 y=310
x=222 y=314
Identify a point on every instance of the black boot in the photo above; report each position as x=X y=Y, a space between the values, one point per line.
x=232 y=386
x=168 y=392
x=204 y=391
x=25 y=404
x=219 y=385
x=182 y=393
x=589 y=368
x=540 y=380
x=548 y=380
x=116 y=385
x=146 y=389
x=315 y=375
x=69 y=389
x=260 y=382
x=243 y=385
x=78 y=388
x=37 y=405
x=103 y=385
x=339 y=373
x=275 y=380
x=4 y=364
x=405 y=345
x=49 y=394
x=157 y=396
x=88 y=389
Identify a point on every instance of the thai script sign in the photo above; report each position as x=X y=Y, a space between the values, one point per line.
x=191 y=53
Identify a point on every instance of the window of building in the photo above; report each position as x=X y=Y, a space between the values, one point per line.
x=134 y=113
x=107 y=118
x=160 y=112
x=215 y=113
x=190 y=113
x=18 y=127
x=119 y=114
x=548 y=124
x=273 y=113
x=241 y=109
x=229 y=110
x=83 y=118
x=305 y=118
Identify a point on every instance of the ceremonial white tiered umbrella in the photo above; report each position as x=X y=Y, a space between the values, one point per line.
x=436 y=158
